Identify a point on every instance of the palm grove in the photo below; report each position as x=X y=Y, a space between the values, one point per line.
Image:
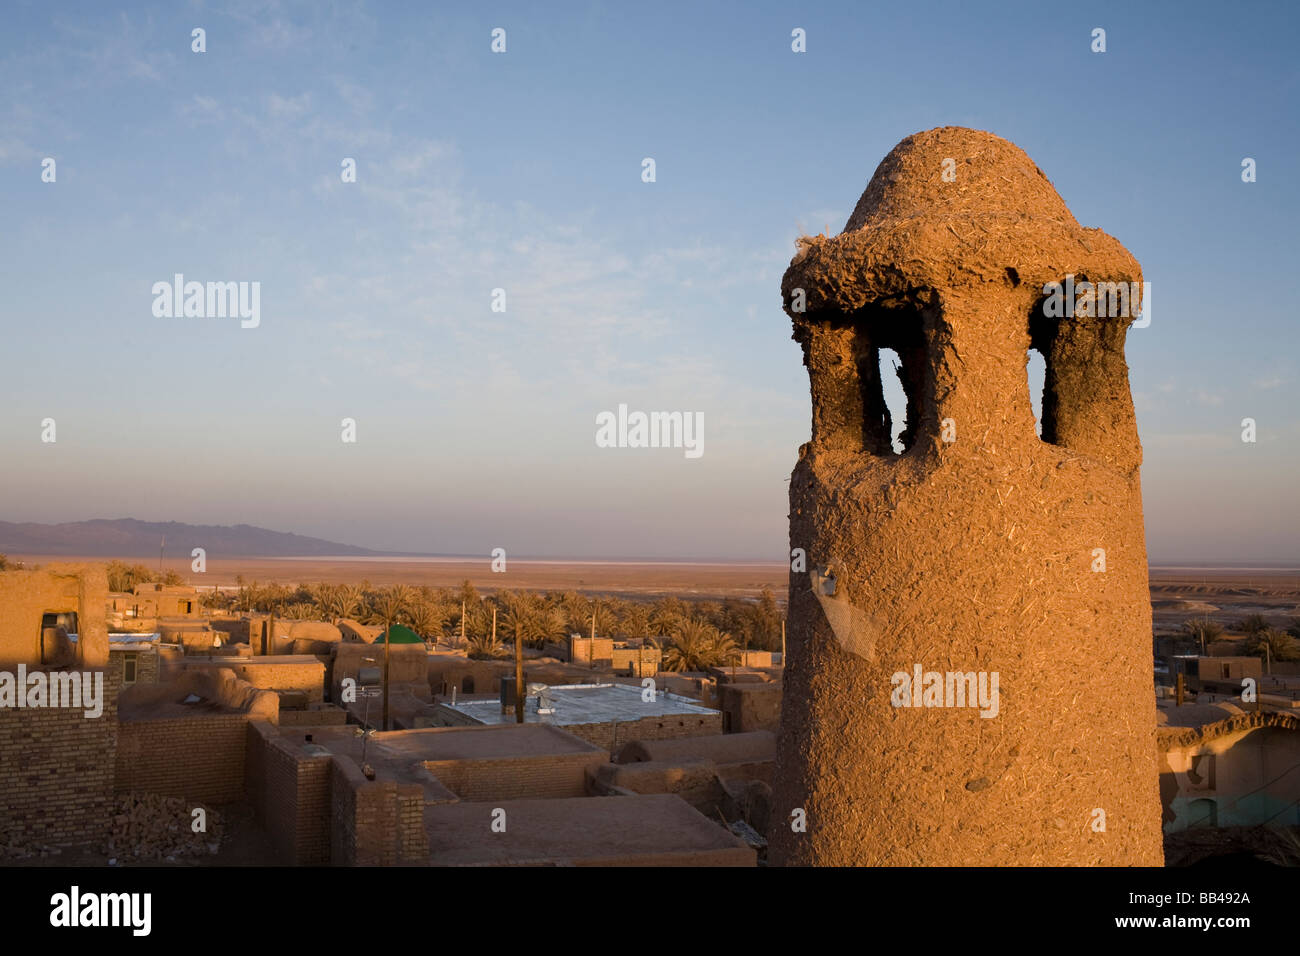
x=693 y=635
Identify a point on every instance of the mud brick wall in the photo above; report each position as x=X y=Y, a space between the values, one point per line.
x=583 y=650
x=751 y=707
x=611 y=736
x=517 y=778
x=306 y=676
x=56 y=771
x=375 y=823
x=641 y=662
x=146 y=665
x=27 y=595
x=316 y=717
x=291 y=795
x=199 y=758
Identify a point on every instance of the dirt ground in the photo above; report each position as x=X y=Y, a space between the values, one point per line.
x=1223 y=596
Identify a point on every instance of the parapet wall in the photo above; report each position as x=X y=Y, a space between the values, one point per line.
x=375 y=823
x=610 y=736
x=298 y=673
x=198 y=758
x=193 y=750
x=291 y=794
x=518 y=778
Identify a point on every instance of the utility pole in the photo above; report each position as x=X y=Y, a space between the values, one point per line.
x=783 y=642
x=519 y=678
x=388 y=639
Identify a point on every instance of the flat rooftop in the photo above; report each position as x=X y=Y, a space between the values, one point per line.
x=480 y=743
x=346 y=743
x=436 y=743
x=122 y=641
x=644 y=830
x=584 y=704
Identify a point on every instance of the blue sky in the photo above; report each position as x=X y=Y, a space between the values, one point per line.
x=523 y=171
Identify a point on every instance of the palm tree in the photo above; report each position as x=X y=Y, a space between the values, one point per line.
x=635 y=620
x=519 y=622
x=1280 y=645
x=1202 y=629
x=390 y=602
x=552 y=624
x=300 y=612
x=577 y=610
x=1252 y=624
x=697 y=646
x=481 y=646
x=667 y=615
x=427 y=618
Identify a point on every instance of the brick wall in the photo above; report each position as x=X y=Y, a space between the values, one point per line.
x=375 y=823
x=146 y=665
x=611 y=736
x=517 y=778
x=198 y=757
x=751 y=707
x=291 y=794
x=324 y=715
x=300 y=673
x=582 y=650
x=236 y=628
x=639 y=662
x=56 y=771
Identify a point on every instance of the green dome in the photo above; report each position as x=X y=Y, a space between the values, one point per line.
x=401 y=635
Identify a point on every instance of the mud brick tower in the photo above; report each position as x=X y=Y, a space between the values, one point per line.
x=982 y=548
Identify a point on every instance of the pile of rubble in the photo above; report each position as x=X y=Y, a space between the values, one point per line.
x=145 y=826
x=13 y=846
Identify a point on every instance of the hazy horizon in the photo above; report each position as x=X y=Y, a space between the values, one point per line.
x=522 y=171
x=1154 y=561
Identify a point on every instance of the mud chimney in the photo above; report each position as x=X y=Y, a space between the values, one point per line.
x=969 y=671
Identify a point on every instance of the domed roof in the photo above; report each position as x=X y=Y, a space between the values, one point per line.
x=948 y=207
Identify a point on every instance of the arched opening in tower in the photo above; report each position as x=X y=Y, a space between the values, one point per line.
x=894 y=397
x=1036 y=369
x=1041 y=371
x=871 y=378
x=890 y=348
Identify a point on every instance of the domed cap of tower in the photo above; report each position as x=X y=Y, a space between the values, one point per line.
x=949 y=207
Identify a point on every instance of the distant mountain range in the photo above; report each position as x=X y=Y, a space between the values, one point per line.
x=127 y=537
